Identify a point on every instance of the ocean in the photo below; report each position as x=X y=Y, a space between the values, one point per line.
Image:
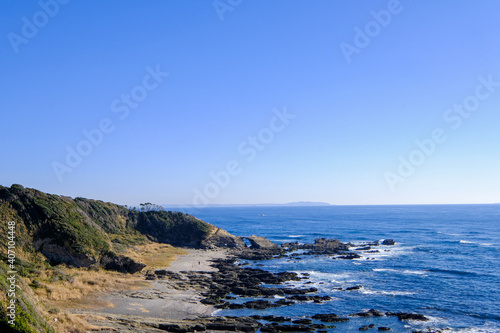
x=445 y=264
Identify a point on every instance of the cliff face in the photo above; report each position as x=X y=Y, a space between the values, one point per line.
x=83 y=232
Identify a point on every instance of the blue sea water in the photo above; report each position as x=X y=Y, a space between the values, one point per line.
x=444 y=265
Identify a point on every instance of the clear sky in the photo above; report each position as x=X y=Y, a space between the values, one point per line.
x=239 y=101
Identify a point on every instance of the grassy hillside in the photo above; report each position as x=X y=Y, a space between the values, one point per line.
x=55 y=233
x=80 y=231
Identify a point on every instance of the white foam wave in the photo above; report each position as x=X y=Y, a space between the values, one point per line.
x=316 y=276
x=385 y=252
x=295 y=236
x=483 y=329
x=433 y=321
x=385 y=270
x=384 y=292
x=407 y=271
x=475 y=243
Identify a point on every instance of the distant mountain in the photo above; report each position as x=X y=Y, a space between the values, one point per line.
x=306 y=203
x=290 y=204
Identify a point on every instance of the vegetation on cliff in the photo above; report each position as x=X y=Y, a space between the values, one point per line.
x=55 y=230
x=81 y=231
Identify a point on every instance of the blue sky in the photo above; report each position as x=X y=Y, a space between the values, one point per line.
x=264 y=101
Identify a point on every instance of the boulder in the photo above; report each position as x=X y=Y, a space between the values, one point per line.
x=275 y=319
x=353 y=288
x=221 y=238
x=349 y=256
x=408 y=316
x=369 y=313
x=261 y=243
x=329 y=318
x=326 y=246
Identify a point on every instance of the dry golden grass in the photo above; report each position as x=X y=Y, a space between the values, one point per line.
x=154 y=255
x=80 y=287
x=73 y=323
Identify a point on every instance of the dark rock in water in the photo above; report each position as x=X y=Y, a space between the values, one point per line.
x=286 y=328
x=366 y=248
x=235 y=306
x=389 y=242
x=326 y=246
x=408 y=316
x=307 y=298
x=121 y=264
x=369 y=313
x=353 y=288
x=290 y=246
x=291 y=291
x=284 y=302
x=302 y=321
x=349 y=256
x=329 y=318
x=258 y=305
x=275 y=319
x=383 y=328
x=287 y=276
x=364 y=328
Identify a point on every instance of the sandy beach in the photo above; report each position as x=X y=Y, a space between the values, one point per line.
x=160 y=300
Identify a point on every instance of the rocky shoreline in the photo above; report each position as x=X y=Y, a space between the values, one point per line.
x=230 y=281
